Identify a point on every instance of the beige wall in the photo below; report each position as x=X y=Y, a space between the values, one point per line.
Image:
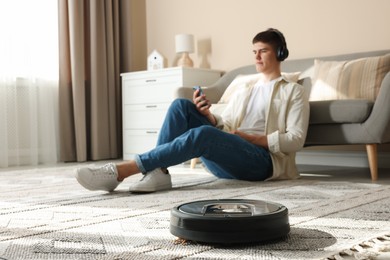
x=223 y=29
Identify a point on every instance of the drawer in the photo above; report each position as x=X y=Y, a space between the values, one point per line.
x=153 y=80
x=144 y=116
x=148 y=94
x=139 y=141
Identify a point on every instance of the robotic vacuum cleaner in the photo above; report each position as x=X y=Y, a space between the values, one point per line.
x=229 y=221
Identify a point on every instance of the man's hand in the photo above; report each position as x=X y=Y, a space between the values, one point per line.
x=259 y=140
x=203 y=106
x=201 y=102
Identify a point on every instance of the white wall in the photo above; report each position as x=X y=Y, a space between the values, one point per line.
x=225 y=28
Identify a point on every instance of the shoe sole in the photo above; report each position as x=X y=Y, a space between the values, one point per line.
x=159 y=188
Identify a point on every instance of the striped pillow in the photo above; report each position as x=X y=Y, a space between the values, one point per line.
x=355 y=79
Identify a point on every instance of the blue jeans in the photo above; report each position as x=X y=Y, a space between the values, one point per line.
x=186 y=134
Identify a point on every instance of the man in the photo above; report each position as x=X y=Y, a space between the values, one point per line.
x=254 y=139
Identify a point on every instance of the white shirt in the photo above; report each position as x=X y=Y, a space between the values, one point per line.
x=254 y=119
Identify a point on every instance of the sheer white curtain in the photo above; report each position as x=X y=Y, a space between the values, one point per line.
x=28 y=82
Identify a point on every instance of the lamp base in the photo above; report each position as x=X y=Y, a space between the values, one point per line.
x=185 y=60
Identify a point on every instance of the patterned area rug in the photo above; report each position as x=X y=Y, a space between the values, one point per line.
x=45 y=214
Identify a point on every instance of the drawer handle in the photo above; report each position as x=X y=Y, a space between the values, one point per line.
x=151 y=132
x=151 y=106
x=150 y=80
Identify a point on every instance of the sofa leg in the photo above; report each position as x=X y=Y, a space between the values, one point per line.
x=372 y=160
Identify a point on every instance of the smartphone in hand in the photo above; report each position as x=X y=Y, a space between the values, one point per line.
x=200 y=93
x=200 y=90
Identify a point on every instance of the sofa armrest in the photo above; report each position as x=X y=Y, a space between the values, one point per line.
x=183 y=92
x=377 y=124
x=215 y=91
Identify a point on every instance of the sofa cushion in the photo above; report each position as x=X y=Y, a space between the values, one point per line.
x=355 y=79
x=339 y=111
x=328 y=111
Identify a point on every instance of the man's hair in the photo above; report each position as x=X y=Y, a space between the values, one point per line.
x=274 y=38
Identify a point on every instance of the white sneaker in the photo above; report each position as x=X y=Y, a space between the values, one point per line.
x=153 y=181
x=102 y=178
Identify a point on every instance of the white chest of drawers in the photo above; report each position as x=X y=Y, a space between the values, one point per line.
x=146 y=96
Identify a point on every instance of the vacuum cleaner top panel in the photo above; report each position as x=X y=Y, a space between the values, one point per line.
x=229 y=208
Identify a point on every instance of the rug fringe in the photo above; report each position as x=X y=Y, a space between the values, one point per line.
x=367 y=250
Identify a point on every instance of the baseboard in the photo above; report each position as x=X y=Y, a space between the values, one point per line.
x=336 y=158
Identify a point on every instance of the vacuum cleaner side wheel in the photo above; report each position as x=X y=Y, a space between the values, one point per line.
x=230 y=221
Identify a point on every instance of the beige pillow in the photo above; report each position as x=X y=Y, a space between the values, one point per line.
x=355 y=79
x=243 y=80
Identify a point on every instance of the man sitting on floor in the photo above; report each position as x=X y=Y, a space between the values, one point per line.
x=255 y=139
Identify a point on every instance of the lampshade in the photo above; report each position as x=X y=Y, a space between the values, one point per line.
x=184 y=43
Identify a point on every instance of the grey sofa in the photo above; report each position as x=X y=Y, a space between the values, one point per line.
x=336 y=122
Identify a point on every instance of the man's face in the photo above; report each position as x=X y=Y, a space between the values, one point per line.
x=265 y=58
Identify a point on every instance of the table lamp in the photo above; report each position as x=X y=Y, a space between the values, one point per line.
x=184 y=45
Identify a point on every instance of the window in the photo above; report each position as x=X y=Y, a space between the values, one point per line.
x=28 y=82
